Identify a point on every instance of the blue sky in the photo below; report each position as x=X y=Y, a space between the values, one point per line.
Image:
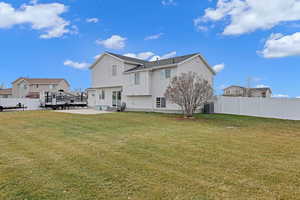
x=60 y=38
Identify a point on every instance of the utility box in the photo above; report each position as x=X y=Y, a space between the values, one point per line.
x=209 y=108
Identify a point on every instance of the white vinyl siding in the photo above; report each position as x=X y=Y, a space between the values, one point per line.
x=114 y=70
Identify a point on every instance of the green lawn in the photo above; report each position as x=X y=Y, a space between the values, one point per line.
x=48 y=155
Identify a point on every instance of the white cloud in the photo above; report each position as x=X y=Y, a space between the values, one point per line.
x=218 y=68
x=114 y=42
x=92 y=20
x=280 y=96
x=33 y=2
x=250 y=15
x=169 y=2
x=76 y=65
x=278 y=46
x=222 y=87
x=154 y=58
x=42 y=17
x=298 y=97
x=154 y=37
x=262 y=86
x=97 y=56
x=143 y=55
x=168 y=55
x=202 y=28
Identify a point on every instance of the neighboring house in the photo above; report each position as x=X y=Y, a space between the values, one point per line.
x=235 y=91
x=238 y=91
x=36 y=87
x=260 y=92
x=6 y=93
x=141 y=84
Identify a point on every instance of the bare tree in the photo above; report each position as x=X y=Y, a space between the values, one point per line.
x=189 y=91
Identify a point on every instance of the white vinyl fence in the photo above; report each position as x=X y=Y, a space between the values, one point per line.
x=282 y=108
x=31 y=104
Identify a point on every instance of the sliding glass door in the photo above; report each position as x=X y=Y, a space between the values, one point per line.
x=116 y=98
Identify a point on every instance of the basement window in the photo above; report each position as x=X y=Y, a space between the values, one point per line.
x=160 y=102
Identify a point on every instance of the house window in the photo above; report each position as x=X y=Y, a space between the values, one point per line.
x=137 y=78
x=114 y=70
x=102 y=95
x=160 y=102
x=37 y=85
x=52 y=86
x=167 y=73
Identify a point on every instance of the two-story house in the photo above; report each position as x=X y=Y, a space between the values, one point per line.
x=36 y=87
x=238 y=91
x=141 y=84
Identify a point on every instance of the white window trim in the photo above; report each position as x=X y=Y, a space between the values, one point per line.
x=169 y=73
x=159 y=102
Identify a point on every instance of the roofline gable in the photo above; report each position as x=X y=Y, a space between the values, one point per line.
x=121 y=60
x=19 y=79
x=100 y=58
x=202 y=59
x=28 y=81
x=145 y=62
x=241 y=87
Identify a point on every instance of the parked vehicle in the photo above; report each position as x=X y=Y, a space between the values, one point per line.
x=18 y=106
x=64 y=100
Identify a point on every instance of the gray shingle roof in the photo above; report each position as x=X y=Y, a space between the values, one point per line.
x=261 y=89
x=250 y=89
x=129 y=59
x=147 y=64
x=45 y=81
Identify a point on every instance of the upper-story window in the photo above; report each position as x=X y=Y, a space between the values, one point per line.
x=37 y=85
x=114 y=70
x=137 y=78
x=52 y=86
x=167 y=73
